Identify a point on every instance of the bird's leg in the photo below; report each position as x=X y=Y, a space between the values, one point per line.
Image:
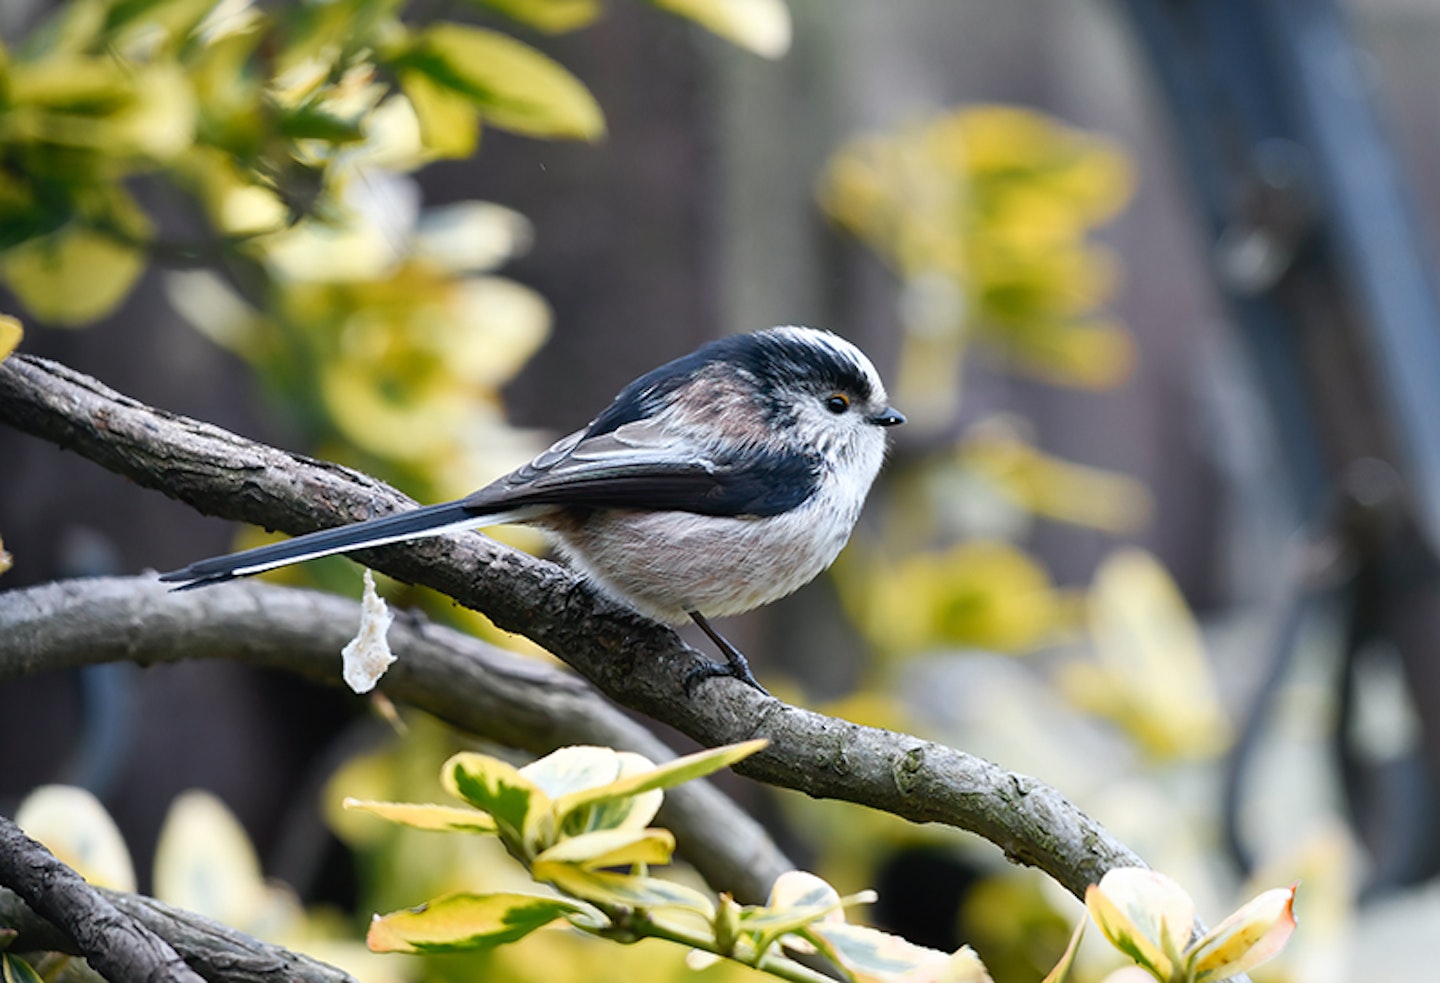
x=735 y=664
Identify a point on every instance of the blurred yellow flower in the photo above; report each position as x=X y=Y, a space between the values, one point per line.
x=984 y=593
x=999 y=202
x=1052 y=487
x=75 y=827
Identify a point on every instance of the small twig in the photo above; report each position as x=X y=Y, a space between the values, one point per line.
x=116 y=946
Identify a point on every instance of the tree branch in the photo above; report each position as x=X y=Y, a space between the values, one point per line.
x=115 y=946
x=635 y=661
x=215 y=951
x=477 y=687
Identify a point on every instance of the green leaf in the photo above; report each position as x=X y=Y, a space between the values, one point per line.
x=666 y=775
x=436 y=818
x=762 y=26
x=1061 y=971
x=43 y=274
x=449 y=124
x=552 y=16
x=310 y=122
x=74 y=825
x=1144 y=914
x=612 y=848
x=798 y=899
x=499 y=789
x=13 y=969
x=205 y=862
x=178 y=17
x=628 y=812
x=873 y=956
x=10 y=334
x=630 y=890
x=75 y=26
x=1247 y=938
x=580 y=769
x=467 y=921
x=512 y=85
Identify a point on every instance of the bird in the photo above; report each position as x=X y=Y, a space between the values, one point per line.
x=712 y=485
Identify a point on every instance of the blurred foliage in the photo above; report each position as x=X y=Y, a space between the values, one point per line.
x=263 y=155
x=577 y=821
x=204 y=863
x=986 y=216
x=289 y=131
x=10 y=335
x=984 y=213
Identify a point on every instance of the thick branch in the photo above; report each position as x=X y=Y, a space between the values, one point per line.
x=117 y=947
x=215 y=951
x=482 y=689
x=632 y=659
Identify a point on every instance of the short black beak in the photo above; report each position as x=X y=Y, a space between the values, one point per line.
x=888 y=417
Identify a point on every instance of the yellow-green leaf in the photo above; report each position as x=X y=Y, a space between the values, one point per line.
x=1053 y=487
x=873 y=956
x=513 y=86
x=1144 y=914
x=204 y=862
x=798 y=899
x=449 y=124
x=666 y=775
x=10 y=334
x=13 y=969
x=581 y=767
x=762 y=26
x=575 y=770
x=1061 y=971
x=101 y=104
x=472 y=237
x=466 y=921
x=73 y=276
x=1157 y=678
x=1254 y=933
x=632 y=891
x=78 y=830
x=498 y=788
x=436 y=818
x=611 y=848
x=554 y=16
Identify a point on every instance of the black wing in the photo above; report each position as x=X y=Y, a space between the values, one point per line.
x=641 y=466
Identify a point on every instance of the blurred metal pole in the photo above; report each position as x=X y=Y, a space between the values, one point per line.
x=1318 y=254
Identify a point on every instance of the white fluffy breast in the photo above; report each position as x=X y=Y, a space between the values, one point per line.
x=667 y=564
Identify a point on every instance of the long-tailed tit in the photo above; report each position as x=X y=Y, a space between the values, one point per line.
x=714 y=484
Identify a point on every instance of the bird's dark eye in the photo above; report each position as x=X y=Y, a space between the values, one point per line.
x=837 y=403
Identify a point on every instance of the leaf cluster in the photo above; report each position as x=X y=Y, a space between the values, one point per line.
x=578 y=819
x=257 y=115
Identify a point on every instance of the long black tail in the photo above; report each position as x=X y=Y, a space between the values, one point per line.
x=431 y=520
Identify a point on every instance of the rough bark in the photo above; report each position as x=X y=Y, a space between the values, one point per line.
x=116 y=946
x=633 y=660
x=215 y=951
